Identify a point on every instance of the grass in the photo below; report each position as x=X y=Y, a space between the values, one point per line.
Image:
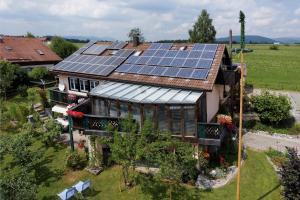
x=273 y=69
x=259 y=181
x=293 y=130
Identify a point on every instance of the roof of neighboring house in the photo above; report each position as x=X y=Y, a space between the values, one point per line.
x=23 y=51
x=101 y=60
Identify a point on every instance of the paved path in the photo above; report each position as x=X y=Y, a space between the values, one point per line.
x=262 y=141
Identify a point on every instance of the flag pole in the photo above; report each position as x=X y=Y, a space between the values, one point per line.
x=240 y=127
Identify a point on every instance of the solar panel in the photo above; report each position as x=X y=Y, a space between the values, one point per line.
x=158 y=71
x=160 y=53
x=165 y=62
x=182 y=54
x=166 y=46
x=153 y=61
x=123 y=68
x=199 y=74
x=208 y=54
x=87 y=45
x=185 y=72
x=199 y=47
x=95 y=49
x=146 y=70
x=211 y=47
x=154 y=46
x=204 y=63
x=190 y=62
x=149 y=53
x=117 y=45
x=134 y=69
x=132 y=59
x=195 y=54
x=143 y=60
x=171 y=53
x=178 y=62
x=171 y=71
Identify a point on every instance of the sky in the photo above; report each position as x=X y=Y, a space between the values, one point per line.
x=158 y=19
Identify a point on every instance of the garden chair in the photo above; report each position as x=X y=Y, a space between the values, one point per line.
x=81 y=186
x=67 y=193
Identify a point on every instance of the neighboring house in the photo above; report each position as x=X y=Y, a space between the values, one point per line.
x=179 y=87
x=27 y=52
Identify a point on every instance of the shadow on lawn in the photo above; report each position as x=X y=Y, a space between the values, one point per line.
x=269 y=192
x=158 y=190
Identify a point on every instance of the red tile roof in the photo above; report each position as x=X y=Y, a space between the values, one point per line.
x=22 y=50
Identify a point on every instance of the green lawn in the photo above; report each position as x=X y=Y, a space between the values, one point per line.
x=273 y=69
x=259 y=181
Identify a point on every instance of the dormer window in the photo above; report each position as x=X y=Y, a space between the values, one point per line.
x=40 y=52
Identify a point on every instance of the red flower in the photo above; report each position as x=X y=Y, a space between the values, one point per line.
x=75 y=114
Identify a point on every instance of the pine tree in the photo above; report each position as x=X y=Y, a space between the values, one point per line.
x=203 y=31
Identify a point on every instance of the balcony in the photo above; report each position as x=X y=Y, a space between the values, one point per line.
x=211 y=134
x=58 y=96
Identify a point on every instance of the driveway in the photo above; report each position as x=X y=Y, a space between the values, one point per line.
x=263 y=141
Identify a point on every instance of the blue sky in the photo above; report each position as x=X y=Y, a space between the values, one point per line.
x=158 y=19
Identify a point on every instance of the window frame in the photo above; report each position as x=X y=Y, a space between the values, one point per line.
x=93 y=82
x=73 y=80
x=84 y=89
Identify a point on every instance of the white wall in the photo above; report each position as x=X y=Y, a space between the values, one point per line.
x=213 y=99
x=65 y=81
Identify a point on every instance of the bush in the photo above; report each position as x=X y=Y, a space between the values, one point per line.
x=74 y=160
x=62 y=47
x=22 y=90
x=271 y=108
x=38 y=73
x=274 y=47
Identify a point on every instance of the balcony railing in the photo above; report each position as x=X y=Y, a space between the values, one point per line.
x=211 y=133
x=58 y=96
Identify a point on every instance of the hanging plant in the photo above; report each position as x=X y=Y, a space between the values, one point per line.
x=75 y=114
x=224 y=119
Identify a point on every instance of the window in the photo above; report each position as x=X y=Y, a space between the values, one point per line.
x=175 y=112
x=189 y=120
x=94 y=84
x=73 y=83
x=39 y=51
x=113 y=111
x=124 y=109
x=84 y=85
x=162 y=119
x=136 y=113
x=148 y=112
x=99 y=107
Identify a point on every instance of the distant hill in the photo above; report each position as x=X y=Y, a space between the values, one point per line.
x=74 y=37
x=248 y=39
x=289 y=40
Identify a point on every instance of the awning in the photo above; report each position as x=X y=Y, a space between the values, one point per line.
x=144 y=93
x=60 y=109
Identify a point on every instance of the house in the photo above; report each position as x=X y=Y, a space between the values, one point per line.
x=27 y=52
x=180 y=87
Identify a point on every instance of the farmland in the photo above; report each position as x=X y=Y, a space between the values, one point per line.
x=273 y=69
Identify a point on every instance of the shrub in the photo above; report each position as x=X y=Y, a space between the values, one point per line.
x=62 y=47
x=271 y=108
x=74 y=160
x=290 y=174
x=22 y=90
x=274 y=47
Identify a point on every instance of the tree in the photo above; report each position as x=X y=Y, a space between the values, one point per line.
x=242 y=21
x=38 y=73
x=62 y=47
x=123 y=147
x=136 y=32
x=7 y=75
x=50 y=131
x=203 y=30
x=290 y=176
x=29 y=35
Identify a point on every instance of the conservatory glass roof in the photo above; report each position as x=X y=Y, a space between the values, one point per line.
x=144 y=93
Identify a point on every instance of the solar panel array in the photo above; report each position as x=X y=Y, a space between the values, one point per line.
x=117 y=45
x=95 y=49
x=159 y=60
x=85 y=47
x=90 y=64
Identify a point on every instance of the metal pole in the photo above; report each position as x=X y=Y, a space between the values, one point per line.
x=71 y=132
x=240 y=127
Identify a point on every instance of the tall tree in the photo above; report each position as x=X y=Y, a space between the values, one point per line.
x=136 y=32
x=62 y=47
x=290 y=176
x=7 y=75
x=29 y=35
x=203 y=30
x=242 y=21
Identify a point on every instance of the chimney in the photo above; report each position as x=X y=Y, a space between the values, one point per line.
x=230 y=42
x=135 y=40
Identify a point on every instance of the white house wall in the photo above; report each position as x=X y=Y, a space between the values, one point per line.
x=213 y=101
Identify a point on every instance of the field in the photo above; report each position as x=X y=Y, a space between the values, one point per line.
x=273 y=69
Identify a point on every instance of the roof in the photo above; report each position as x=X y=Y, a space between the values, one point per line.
x=85 y=63
x=23 y=51
x=138 y=93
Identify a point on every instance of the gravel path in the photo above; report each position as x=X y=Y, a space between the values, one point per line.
x=262 y=141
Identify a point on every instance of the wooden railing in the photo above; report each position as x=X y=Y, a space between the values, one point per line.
x=210 y=133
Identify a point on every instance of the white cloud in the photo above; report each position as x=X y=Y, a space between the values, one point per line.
x=4 y=4
x=297 y=11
